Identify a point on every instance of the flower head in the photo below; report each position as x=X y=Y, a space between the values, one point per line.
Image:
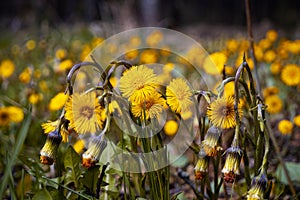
x=285 y=127
x=211 y=142
x=94 y=151
x=7 y=68
x=151 y=108
x=297 y=120
x=48 y=152
x=270 y=91
x=290 y=74
x=179 y=95
x=10 y=114
x=221 y=112
x=214 y=63
x=201 y=167
x=258 y=188
x=58 y=101
x=274 y=104
x=171 y=127
x=84 y=113
x=232 y=164
x=138 y=83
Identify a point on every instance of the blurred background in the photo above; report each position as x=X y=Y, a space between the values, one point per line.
x=205 y=17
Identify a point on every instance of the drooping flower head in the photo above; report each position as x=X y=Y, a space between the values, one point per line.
x=138 y=83
x=221 y=113
x=211 y=142
x=84 y=113
x=201 y=167
x=179 y=95
x=258 y=188
x=48 y=152
x=232 y=164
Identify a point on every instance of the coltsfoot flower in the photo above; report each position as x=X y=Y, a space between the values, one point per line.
x=258 y=188
x=49 y=150
x=211 y=142
x=232 y=164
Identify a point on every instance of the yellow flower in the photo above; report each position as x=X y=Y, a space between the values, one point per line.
x=232 y=45
x=259 y=54
x=114 y=107
x=135 y=41
x=50 y=126
x=138 y=83
x=275 y=68
x=265 y=44
x=84 y=113
x=152 y=107
x=25 y=75
x=148 y=56
x=290 y=74
x=285 y=127
x=60 y=54
x=30 y=45
x=258 y=188
x=274 y=104
x=7 y=68
x=154 y=38
x=49 y=150
x=229 y=89
x=297 y=120
x=179 y=95
x=16 y=114
x=232 y=164
x=171 y=127
x=214 y=63
x=239 y=61
x=201 y=167
x=34 y=98
x=65 y=65
x=271 y=35
x=131 y=55
x=221 y=112
x=96 y=41
x=58 y=101
x=269 y=56
x=269 y=91
x=10 y=114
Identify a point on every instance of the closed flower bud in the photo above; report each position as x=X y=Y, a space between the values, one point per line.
x=201 y=167
x=48 y=152
x=211 y=141
x=94 y=151
x=258 y=188
x=232 y=164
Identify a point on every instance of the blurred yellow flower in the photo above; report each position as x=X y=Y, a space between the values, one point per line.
x=65 y=65
x=25 y=75
x=179 y=95
x=84 y=113
x=269 y=91
x=297 y=120
x=154 y=38
x=269 y=56
x=43 y=86
x=265 y=44
x=293 y=47
x=138 y=83
x=96 y=41
x=60 y=54
x=7 y=68
x=148 y=56
x=86 y=50
x=274 y=104
x=131 y=55
x=271 y=35
x=10 y=114
x=259 y=54
x=214 y=63
x=34 y=98
x=150 y=108
x=134 y=41
x=232 y=45
x=290 y=74
x=275 y=68
x=58 y=101
x=30 y=45
x=113 y=81
x=229 y=89
x=221 y=112
x=239 y=61
x=285 y=127
x=171 y=127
